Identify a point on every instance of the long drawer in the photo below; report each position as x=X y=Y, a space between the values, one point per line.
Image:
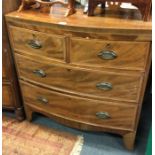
x=80 y=81
x=34 y=42
x=109 y=54
x=79 y=109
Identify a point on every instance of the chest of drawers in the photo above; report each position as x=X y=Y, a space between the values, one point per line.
x=89 y=75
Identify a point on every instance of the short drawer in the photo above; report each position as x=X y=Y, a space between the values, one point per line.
x=34 y=42
x=109 y=54
x=104 y=114
x=80 y=81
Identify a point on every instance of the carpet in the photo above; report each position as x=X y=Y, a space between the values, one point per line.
x=24 y=138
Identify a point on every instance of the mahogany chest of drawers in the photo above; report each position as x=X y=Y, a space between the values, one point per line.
x=89 y=75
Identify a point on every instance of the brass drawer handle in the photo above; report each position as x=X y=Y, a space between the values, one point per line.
x=103 y=115
x=42 y=100
x=40 y=73
x=34 y=44
x=107 y=55
x=104 y=86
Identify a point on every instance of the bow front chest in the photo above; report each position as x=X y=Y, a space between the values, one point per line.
x=85 y=72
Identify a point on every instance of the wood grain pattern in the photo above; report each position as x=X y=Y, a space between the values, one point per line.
x=79 y=109
x=4 y=75
x=7 y=99
x=126 y=35
x=143 y=89
x=130 y=55
x=125 y=88
x=98 y=25
x=52 y=46
x=129 y=140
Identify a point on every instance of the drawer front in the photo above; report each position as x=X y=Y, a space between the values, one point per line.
x=38 y=43
x=7 y=100
x=94 y=84
x=79 y=109
x=109 y=54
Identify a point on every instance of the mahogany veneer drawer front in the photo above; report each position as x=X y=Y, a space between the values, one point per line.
x=109 y=54
x=80 y=109
x=34 y=42
x=97 y=84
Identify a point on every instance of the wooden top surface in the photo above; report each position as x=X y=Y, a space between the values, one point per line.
x=81 y=21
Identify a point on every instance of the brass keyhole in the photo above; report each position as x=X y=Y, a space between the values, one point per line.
x=108 y=46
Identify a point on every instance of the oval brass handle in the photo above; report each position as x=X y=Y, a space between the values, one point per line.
x=104 y=86
x=42 y=100
x=40 y=73
x=34 y=44
x=103 y=115
x=107 y=55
